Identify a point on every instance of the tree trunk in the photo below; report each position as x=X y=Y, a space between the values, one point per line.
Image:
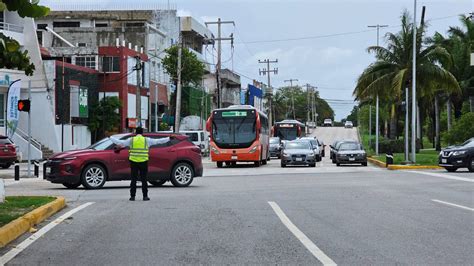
x=393 y=122
x=418 y=124
x=449 y=111
x=437 y=127
x=385 y=132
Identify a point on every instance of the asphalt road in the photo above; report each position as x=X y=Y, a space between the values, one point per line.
x=353 y=215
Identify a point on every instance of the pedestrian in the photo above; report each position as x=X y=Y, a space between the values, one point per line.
x=138 y=157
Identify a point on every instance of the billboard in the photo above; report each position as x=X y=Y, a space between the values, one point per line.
x=255 y=97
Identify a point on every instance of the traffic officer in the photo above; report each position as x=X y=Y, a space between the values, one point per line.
x=138 y=157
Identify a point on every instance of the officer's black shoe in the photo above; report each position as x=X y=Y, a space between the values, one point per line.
x=132 y=198
x=146 y=198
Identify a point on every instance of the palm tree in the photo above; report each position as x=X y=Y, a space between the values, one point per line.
x=391 y=73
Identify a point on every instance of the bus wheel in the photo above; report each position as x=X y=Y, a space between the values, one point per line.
x=257 y=163
x=264 y=162
x=227 y=163
x=219 y=164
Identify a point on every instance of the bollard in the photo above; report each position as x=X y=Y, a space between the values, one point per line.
x=44 y=171
x=36 y=168
x=388 y=158
x=17 y=171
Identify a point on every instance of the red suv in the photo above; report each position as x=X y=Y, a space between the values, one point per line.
x=7 y=152
x=178 y=161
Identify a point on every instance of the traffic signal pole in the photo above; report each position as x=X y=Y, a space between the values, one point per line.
x=29 y=130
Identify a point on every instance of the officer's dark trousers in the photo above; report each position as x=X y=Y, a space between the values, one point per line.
x=139 y=170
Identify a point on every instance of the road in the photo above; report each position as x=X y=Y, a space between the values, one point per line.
x=267 y=215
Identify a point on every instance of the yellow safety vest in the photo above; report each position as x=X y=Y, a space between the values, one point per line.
x=138 y=149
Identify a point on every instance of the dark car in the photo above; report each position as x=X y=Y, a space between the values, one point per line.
x=275 y=147
x=351 y=153
x=178 y=161
x=298 y=152
x=455 y=157
x=7 y=152
x=335 y=147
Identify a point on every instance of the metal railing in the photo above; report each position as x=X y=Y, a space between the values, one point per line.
x=24 y=136
x=11 y=27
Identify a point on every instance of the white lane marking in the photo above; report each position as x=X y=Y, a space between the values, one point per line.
x=23 y=245
x=317 y=253
x=443 y=176
x=454 y=205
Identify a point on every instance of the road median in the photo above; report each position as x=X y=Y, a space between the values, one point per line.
x=402 y=167
x=23 y=224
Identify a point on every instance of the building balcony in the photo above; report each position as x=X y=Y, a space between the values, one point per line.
x=14 y=31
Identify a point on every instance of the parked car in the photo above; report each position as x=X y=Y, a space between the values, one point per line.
x=275 y=147
x=455 y=157
x=298 y=152
x=335 y=147
x=7 y=152
x=348 y=124
x=351 y=153
x=316 y=147
x=198 y=138
x=327 y=122
x=178 y=161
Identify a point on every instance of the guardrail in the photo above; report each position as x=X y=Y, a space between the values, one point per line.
x=11 y=27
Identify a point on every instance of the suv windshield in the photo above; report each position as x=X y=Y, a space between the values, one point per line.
x=468 y=143
x=5 y=141
x=297 y=145
x=101 y=145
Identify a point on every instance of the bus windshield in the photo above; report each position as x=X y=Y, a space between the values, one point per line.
x=234 y=132
x=287 y=133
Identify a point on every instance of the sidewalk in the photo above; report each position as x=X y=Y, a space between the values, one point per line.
x=10 y=172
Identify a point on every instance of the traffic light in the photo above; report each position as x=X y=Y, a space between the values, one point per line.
x=24 y=105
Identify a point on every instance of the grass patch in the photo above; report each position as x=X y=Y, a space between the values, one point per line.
x=424 y=157
x=17 y=206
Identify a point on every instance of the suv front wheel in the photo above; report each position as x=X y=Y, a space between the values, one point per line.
x=93 y=176
x=182 y=175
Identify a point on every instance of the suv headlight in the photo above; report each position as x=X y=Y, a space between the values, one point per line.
x=456 y=153
x=254 y=149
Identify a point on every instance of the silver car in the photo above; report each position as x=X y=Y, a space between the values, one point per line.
x=275 y=147
x=316 y=147
x=298 y=152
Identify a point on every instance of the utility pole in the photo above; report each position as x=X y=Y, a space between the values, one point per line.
x=310 y=103
x=267 y=71
x=138 y=98
x=219 y=40
x=413 y=110
x=378 y=26
x=292 y=97
x=177 y=116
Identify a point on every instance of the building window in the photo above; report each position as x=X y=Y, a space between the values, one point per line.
x=2 y=108
x=101 y=24
x=39 y=33
x=66 y=24
x=86 y=61
x=110 y=64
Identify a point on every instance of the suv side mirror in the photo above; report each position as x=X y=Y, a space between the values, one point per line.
x=118 y=148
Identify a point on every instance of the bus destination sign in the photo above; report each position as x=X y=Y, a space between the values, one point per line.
x=234 y=114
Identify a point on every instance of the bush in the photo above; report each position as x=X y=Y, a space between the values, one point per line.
x=462 y=130
x=393 y=145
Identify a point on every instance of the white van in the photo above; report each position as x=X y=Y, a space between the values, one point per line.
x=199 y=138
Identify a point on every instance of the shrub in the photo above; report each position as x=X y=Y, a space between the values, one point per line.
x=393 y=145
x=462 y=130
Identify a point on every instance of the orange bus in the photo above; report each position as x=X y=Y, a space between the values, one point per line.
x=239 y=133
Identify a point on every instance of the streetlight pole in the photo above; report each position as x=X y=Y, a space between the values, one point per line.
x=377 y=130
x=413 y=99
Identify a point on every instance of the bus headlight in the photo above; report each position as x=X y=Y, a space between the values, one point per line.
x=254 y=149
x=215 y=150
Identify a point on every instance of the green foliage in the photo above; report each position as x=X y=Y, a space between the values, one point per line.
x=164 y=126
x=192 y=69
x=353 y=116
x=16 y=206
x=103 y=116
x=462 y=130
x=282 y=103
x=11 y=57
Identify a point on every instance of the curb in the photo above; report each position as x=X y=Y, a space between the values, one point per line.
x=412 y=167
x=402 y=167
x=376 y=162
x=18 y=227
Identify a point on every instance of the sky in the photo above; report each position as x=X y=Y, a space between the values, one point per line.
x=328 y=38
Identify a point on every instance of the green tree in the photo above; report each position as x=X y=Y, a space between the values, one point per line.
x=392 y=72
x=463 y=129
x=192 y=69
x=11 y=55
x=104 y=116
